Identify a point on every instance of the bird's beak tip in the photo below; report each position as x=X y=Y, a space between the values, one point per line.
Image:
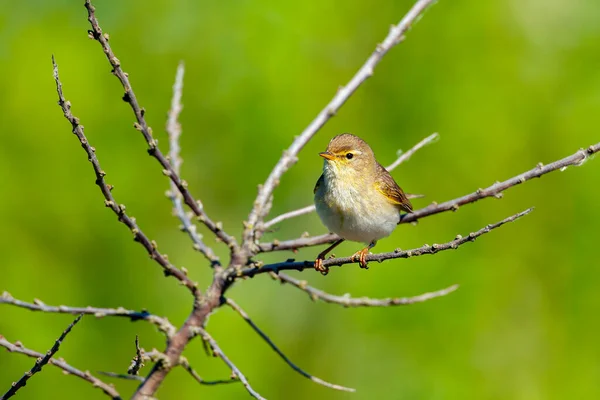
x=327 y=155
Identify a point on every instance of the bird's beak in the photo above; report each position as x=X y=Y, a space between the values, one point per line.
x=327 y=155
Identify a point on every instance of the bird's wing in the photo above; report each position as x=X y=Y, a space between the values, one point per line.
x=319 y=183
x=390 y=189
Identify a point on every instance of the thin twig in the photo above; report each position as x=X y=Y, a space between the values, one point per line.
x=142 y=126
x=183 y=362
x=217 y=352
x=331 y=262
x=496 y=190
x=288 y=215
x=348 y=301
x=403 y=157
x=289 y=157
x=162 y=323
x=110 y=202
x=123 y=376
x=174 y=132
x=137 y=361
x=276 y=349
x=186 y=365
x=18 y=347
x=40 y=362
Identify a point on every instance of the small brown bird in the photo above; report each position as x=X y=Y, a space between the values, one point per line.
x=356 y=197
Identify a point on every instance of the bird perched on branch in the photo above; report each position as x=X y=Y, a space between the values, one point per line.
x=356 y=197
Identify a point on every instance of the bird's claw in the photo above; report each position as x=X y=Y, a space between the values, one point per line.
x=320 y=267
x=361 y=257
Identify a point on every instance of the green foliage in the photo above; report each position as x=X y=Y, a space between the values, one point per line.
x=507 y=84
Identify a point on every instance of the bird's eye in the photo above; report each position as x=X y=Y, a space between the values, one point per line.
x=349 y=156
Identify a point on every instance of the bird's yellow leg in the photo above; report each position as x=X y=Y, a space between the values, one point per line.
x=319 y=261
x=362 y=255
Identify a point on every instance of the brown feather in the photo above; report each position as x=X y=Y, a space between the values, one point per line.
x=390 y=189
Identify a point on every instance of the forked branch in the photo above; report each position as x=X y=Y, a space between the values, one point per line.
x=142 y=126
x=174 y=132
x=109 y=200
x=242 y=263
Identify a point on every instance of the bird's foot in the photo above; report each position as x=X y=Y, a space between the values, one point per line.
x=361 y=257
x=320 y=267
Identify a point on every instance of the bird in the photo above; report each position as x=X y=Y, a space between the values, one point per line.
x=356 y=197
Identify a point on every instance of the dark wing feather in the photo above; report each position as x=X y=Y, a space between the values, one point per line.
x=319 y=183
x=390 y=189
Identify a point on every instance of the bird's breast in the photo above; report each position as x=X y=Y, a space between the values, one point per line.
x=354 y=211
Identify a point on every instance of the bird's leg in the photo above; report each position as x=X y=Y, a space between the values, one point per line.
x=362 y=255
x=319 y=261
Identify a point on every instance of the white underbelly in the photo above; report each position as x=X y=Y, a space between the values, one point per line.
x=355 y=217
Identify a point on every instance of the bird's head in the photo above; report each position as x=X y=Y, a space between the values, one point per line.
x=348 y=154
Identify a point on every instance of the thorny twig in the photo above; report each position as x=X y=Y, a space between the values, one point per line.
x=110 y=202
x=161 y=323
x=40 y=362
x=18 y=347
x=331 y=262
x=174 y=132
x=142 y=126
x=242 y=263
x=137 y=362
x=348 y=301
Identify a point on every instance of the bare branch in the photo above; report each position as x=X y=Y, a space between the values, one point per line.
x=276 y=349
x=331 y=262
x=173 y=125
x=347 y=301
x=496 y=190
x=17 y=347
x=186 y=365
x=288 y=215
x=403 y=157
x=40 y=362
x=217 y=352
x=289 y=157
x=142 y=126
x=174 y=132
x=162 y=323
x=110 y=202
x=137 y=362
x=123 y=376
x=155 y=356
x=298 y=243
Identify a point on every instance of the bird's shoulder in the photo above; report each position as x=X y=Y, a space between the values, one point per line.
x=387 y=186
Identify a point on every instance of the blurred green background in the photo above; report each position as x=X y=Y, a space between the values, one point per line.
x=507 y=84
